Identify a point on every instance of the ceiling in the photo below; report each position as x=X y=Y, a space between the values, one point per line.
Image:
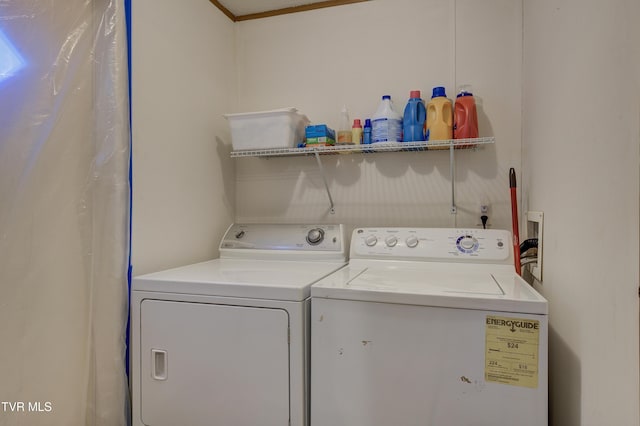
x=248 y=7
x=241 y=10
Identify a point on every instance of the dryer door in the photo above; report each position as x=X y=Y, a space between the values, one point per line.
x=204 y=364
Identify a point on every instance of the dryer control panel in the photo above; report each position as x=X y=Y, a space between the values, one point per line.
x=433 y=244
x=283 y=238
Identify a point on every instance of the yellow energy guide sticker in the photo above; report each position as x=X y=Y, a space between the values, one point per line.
x=511 y=351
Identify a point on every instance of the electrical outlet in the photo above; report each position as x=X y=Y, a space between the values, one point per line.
x=484 y=205
x=484 y=214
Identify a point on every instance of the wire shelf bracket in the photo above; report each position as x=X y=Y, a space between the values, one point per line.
x=452 y=145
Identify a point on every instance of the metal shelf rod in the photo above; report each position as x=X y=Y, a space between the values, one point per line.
x=452 y=174
x=326 y=185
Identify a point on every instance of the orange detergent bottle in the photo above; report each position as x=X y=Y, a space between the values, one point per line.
x=439 y=117
x=465 y=121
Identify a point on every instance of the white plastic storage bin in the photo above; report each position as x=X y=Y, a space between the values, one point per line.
x=280 y=128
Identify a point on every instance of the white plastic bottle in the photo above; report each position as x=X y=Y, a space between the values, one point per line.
x=386 y=124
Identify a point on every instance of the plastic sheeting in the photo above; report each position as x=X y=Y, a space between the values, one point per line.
x=64 y=191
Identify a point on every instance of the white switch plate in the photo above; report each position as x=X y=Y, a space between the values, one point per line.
x=534 y=230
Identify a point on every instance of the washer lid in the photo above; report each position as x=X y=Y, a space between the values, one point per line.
x=482 y=287
x=257 y=279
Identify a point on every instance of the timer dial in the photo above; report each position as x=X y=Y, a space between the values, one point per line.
x=315 y=236
x=467 y=244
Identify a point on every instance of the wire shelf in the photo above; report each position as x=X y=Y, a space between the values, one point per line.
x=376 y=147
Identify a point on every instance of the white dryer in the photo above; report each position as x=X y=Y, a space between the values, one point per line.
x=226 y=342
x=428 y=327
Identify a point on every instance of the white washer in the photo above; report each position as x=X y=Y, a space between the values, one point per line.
x=428 y=327
x=226 y=342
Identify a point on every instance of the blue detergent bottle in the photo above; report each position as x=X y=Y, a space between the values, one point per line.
x=366 y=132
x=415 y=115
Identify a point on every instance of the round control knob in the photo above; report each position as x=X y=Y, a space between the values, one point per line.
x=371 y=240
x=412 y=241
x=315 y=236
x=391 y=241
x=467 y=243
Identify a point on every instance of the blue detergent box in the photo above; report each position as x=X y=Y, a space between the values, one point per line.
x=320 y=134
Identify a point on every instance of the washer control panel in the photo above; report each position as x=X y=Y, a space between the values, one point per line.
x=433 y=244
x=284 y=237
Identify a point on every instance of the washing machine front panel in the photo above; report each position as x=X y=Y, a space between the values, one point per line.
x=381 y=364
x=200 y=362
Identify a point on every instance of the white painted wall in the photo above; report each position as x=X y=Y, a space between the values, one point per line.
x=183 y=179
x=319 y=60
x=578 y=146
x=581 y=147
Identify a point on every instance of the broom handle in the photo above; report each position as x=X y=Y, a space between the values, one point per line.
x=514 y=221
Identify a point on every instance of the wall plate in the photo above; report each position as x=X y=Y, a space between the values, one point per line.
x=534 y=230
